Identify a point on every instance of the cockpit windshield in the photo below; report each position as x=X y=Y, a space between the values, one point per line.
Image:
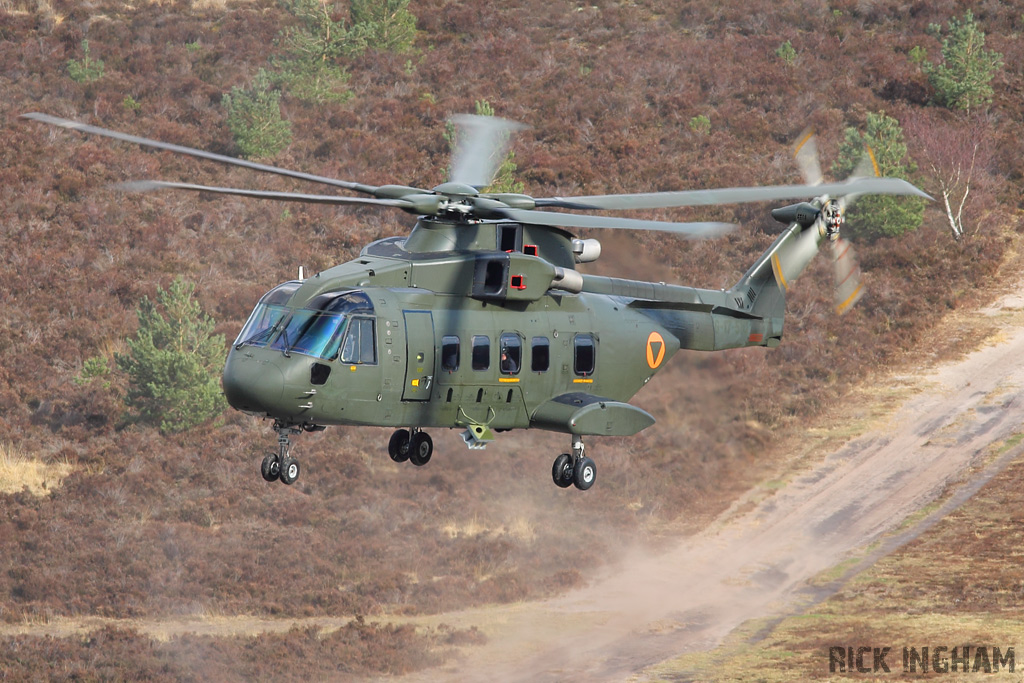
x=311 y=333
x=268 y=315
x=317 y=330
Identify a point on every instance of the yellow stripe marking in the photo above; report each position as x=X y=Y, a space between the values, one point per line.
x=508 y=380
x=874 y=162
x=849 y=300
x=777 y=266
x=810 y=134
x=583 y=381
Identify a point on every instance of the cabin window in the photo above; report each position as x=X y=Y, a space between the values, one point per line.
x=360 y=342
x=481 y=352
x=585 y=354
x=540 y=359
x=449 y=353
x=511 y=353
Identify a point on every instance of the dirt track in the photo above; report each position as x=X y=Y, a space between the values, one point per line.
x=756 y=560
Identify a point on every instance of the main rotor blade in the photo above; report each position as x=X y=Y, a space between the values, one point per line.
x=573 y=220
x=148 y=185
x=480 y=146
x=233 y=161
x=732 y=195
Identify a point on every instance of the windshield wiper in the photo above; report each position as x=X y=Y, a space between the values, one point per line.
x=262 y=335
x=284 y=343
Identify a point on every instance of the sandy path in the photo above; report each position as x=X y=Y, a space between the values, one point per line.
x=757 y=563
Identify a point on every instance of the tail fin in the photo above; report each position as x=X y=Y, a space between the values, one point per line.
x=765 y=284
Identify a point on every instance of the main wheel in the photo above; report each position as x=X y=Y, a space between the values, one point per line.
x=398 y=446
x=584 y=474
x=271 y=467
x=561 y=471
x=289 y=471
x=421 y=447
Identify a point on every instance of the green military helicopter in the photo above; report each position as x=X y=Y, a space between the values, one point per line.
x=478 y=319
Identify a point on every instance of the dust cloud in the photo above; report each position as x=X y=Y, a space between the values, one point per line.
x=757 y=558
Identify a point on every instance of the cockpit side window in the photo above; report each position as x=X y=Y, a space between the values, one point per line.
x=360 y=342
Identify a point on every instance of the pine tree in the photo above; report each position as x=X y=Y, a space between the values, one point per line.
x=963 y=79
x=174 y=361
x=875 y=216
x=383 y=24
x=254 y=118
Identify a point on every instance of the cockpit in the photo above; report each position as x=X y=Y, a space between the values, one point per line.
x=332 y=326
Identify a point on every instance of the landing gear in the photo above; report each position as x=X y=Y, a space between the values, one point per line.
x=421 y=447
x=271 y=468
x=281 y=466
x=398 y=446
x=412 y=445
x=574 y=468
x=289 y=470
x=561 y=471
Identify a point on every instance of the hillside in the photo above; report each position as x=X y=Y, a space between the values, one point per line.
x=145 y=525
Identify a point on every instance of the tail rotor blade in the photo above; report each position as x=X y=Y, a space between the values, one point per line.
x=848 y=287
x=806 y=155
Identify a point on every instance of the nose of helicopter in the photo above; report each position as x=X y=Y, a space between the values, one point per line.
x=252 y=385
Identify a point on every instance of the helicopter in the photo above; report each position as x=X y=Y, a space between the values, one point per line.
x=479 y=320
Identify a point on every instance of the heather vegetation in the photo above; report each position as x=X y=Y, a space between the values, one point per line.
x=642 y=96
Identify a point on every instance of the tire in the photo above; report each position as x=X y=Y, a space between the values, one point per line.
x=585 y=474
x=561 y=471
x=398 y=446
x=289 y=471
x=421 y=447
x=271 y=467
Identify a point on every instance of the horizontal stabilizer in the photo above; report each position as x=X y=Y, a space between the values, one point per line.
x=583 y=414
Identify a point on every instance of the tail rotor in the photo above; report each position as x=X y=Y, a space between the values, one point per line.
x=848 y=288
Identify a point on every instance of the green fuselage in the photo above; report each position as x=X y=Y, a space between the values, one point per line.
x=473 y=336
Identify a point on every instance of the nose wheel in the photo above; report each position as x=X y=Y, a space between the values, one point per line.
x=574 y=469
x=281 y=466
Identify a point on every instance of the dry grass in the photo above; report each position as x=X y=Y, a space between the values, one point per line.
x=519 y=528
x=20 y=471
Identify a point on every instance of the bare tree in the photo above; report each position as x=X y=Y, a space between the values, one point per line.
x=955 y=153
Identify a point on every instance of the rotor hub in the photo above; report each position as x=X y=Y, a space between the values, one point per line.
x=832 y=217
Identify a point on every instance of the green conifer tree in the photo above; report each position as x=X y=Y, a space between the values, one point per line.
x=963 y=79
x=875 y=216
x=174 y=361
x=383 y=24
x=254 y=118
